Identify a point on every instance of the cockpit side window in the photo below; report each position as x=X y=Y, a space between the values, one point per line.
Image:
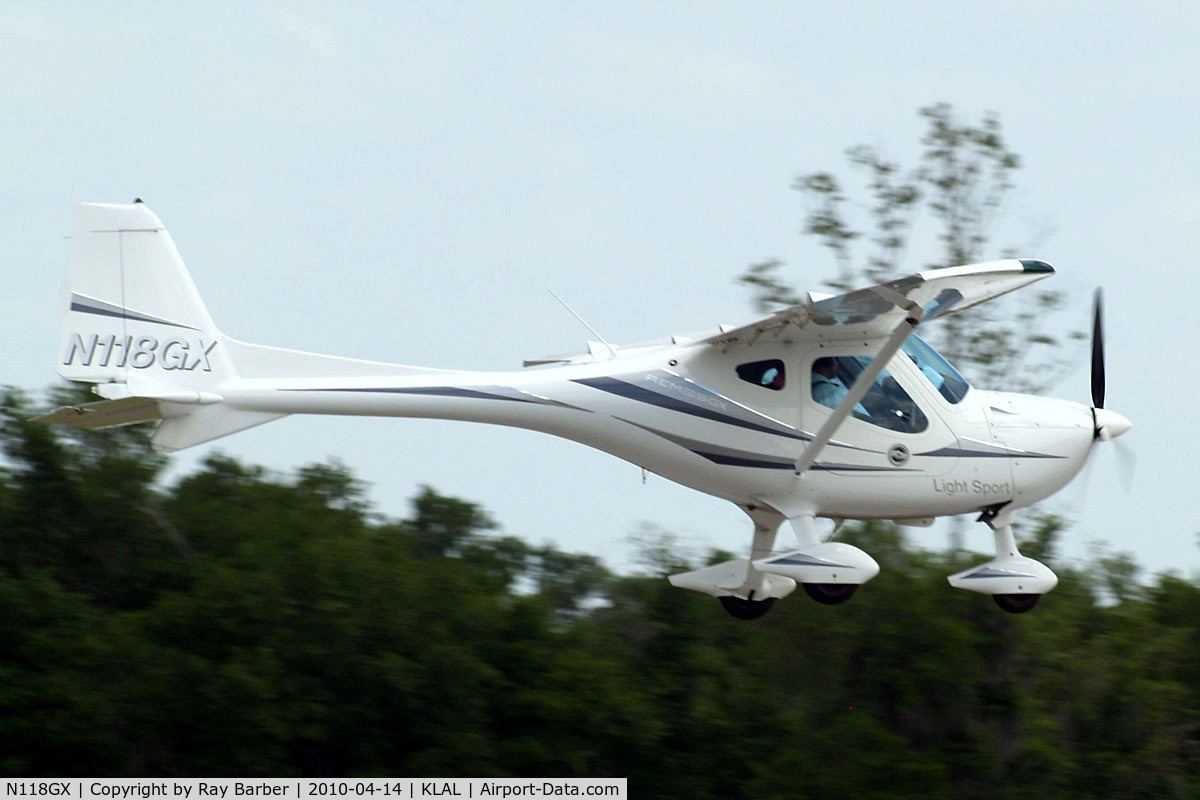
x=885 y=404
x=768 y=374
x=944 y=377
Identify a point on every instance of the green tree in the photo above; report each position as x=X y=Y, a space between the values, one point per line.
x=961 y=181
x=83 y=504
x=307 y=635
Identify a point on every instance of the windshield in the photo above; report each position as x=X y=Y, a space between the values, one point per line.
x=936 y=369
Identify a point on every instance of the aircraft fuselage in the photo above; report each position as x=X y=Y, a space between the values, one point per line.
x=661 y=411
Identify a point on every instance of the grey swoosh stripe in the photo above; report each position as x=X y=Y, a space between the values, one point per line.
x=728 y=460
x=828 y=467
x=992 y=572
x=729 y=456
x=801 y=560
x=492 y=393
x=90 y=305
x=633 y=392
x=960 y=452
x=717 y=454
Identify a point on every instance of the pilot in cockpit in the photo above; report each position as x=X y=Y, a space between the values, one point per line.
x=827 y=387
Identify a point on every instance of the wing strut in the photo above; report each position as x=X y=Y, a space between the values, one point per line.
x=859 y=389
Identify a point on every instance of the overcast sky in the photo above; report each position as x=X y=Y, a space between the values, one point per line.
x=403 y=181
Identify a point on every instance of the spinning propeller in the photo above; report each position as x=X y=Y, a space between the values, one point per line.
x=1108 y=424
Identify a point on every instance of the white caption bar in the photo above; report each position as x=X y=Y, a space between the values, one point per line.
x=296 y=788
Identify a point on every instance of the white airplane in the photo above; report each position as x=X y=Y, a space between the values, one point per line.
x=833 y=409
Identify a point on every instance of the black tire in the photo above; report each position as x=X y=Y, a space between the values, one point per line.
x=746 y=609
x=830 y=594
x=1016 y=603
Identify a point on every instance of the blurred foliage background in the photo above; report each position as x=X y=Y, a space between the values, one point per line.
x=241 y=623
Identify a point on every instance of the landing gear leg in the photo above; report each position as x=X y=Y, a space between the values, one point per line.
x=1006 y=544
x=1014 y=581
x=745 y=591
x=766 y=529
x=831 y=572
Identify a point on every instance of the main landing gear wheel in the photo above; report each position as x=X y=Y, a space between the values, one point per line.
x=1016 y=603
x=746 y=609
x=830 y=594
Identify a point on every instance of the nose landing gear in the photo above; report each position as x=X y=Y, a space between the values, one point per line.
x=1015 y=582
x=1016 y=603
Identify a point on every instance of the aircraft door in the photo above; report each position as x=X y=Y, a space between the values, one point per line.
x=896 y=429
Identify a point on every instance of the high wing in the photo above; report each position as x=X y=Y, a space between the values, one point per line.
x=876 y=310
x=892 y=310
x=873 y=312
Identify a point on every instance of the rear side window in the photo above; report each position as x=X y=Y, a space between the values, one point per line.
x=768 y=374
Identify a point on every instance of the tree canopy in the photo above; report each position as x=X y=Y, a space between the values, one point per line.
x=240 y=622
x=960 y=186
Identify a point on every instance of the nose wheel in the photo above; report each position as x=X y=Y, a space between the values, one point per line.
x=1014 y=581
x=1016 y=603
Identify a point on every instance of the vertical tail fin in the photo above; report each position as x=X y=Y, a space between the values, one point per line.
x=131 y=309
x=134 y=323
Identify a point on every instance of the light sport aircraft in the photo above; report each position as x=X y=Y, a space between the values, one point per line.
x=829 y=409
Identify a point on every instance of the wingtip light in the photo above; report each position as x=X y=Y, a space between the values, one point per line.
x=1033 y=265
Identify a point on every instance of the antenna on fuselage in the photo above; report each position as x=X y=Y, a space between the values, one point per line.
x=584 y=322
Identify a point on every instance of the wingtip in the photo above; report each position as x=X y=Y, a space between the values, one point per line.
x=1033 y=265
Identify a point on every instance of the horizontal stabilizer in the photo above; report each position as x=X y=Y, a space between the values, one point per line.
x=105 y=413
x=183 y=425
x=204 y=424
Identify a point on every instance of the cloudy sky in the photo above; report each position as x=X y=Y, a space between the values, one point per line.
x=403 y=181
